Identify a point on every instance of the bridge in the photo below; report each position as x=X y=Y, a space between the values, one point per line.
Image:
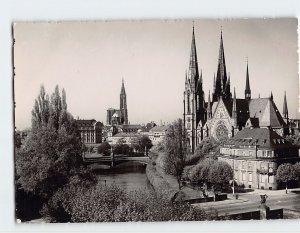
x=115 y=160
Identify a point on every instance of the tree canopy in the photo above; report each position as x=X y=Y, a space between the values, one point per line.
x=52 y=151
x=174 y=158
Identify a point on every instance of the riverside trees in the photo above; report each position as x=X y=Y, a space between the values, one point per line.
x=52 y=152
x=174 y=158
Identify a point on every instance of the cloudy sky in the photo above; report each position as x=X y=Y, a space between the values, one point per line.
x=89 y=60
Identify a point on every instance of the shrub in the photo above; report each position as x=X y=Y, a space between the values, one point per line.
x=104 y=148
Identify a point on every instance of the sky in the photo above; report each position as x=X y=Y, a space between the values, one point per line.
x=89 y=59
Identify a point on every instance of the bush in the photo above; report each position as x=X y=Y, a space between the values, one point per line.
x=104 y=148
x=99 y=203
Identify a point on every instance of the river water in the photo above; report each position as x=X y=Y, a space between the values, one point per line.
x=128 y=176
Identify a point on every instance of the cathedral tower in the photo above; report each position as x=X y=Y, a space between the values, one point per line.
x=194 y=103
x=221 y=85
x=123 y=105
x=247 y=88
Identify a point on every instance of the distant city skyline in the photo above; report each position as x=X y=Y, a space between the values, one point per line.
x=89 y=60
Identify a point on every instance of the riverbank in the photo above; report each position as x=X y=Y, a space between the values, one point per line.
x=167 y=185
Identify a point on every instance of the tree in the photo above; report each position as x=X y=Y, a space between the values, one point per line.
x=286 y=173
x=121 y=147
x=52 y=152
x=141 y=142
x=220 y=174
x=297 y=170
x=104 y=148
x=174 y=158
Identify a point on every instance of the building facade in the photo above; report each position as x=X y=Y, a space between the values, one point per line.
x=157 y=134
x=90 y=131
x=223 y=114
x=255 y=154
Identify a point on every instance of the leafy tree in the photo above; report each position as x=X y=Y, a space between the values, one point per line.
x=220 y=174
x=141 y=142
x=297 y=170
x=104 y=148
x=294 y=139
x=18 y=141
x=286 y=173
x=121 y=147
x=174 y=158
x=52 y=152
x=112 y=204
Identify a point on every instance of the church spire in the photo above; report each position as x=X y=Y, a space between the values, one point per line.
x=285 y=108
x=221 y=78
x=209 y=114
x=247 y=88
x=123 y=105
x=193 y=66
x=234 y=112
x=271 y=96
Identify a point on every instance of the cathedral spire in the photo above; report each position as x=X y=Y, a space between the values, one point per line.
x=247 y=88
x=193 y=66
x=285 y=108
x=271 y=96
x=234 y=112
x=221 y=78
x=209 y=114
x=123 y=105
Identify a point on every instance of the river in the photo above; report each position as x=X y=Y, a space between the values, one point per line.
x=129 y=176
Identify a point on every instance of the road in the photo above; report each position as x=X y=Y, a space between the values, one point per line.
x=252 y=203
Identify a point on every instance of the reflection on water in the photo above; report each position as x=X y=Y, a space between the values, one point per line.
x=129 y=176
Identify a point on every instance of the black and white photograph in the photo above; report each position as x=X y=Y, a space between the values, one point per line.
x=156 y=120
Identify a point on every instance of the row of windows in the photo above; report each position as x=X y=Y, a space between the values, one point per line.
x=261 y=178
x=248 y=165
x=250 y=153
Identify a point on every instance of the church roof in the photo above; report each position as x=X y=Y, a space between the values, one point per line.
x=261 y=111
x=266 y=111
x=261 y=137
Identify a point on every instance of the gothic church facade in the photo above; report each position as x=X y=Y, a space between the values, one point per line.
x=223 y=114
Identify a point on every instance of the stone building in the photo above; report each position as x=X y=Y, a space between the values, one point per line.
x=255 y=154
x=90 y=131
x=223 y=114
x=157 y=134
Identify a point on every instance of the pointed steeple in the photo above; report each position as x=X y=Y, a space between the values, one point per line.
x=247 y=88
x=234 y=112
x=209 y=114
x=271 y=96
x=221 y=78
x=123 y=87
x=123 y=105
x=193 y=65
x=285 y=111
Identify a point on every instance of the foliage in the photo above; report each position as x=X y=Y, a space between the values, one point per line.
x=160 y=185
x=121 y=148
x=104 y=148
x=297 y=170
x=286 y=173
x=52 y=151
x=200 y=172
x=141 y=142
x=173 y=160
x=99 y=203
x=294 y=139
x=220 y=173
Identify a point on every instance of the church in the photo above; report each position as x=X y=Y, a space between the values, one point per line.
x=223 y=114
